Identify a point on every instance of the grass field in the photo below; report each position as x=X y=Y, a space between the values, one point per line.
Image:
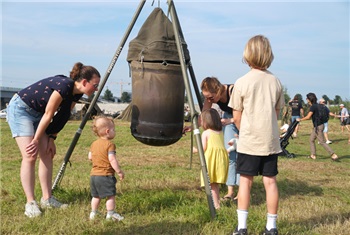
x=161 y=194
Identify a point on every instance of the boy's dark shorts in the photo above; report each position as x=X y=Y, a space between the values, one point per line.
x=257 y=165
x=103 y=186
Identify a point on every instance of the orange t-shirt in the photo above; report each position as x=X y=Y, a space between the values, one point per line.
x=99 y=155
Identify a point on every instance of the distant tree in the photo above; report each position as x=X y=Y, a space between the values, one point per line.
x=108 y=95
x=325 y=97
x=126 y=97
x=286 y=96
x=337 y=99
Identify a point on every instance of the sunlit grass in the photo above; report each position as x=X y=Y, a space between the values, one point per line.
x=161 y=194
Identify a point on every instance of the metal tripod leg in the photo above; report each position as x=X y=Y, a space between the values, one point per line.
x=94 y=100
x=196 y=132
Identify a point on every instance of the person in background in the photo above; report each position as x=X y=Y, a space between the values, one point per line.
x=317 y=131
x=286 y=118
x=256 y=102
x=104 y=165
x=297 y=112
x=36 y=115
x=344 y=118
x=217 y=94
x=325 y=130
x=215 y=153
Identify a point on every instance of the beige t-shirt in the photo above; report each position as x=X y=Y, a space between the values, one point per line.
x=258 y=94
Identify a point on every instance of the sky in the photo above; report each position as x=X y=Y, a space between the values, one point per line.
x=309 y=39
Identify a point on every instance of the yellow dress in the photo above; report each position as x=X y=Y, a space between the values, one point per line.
x=216 y=158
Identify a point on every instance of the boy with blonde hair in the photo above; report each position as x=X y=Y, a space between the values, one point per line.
x=104 y=165
x=256 y=103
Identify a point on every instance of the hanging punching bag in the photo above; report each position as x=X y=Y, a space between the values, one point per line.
x=157 y=83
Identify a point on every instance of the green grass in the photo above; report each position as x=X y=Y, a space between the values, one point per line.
x=161 y=194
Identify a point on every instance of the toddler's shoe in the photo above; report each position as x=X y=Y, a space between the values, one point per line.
x=115 y=217
x=233 y=145
x=93 y=215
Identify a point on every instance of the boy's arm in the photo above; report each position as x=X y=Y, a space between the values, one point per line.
x=90 y=156
x=115 y=164
x=237 y=115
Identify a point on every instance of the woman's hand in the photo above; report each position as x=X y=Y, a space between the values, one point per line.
x=226 y=121
x=51 y=147
x=32 y=148
x=186 y=129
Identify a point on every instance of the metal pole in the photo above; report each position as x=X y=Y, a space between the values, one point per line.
x=196 y=131
x=94 y=100
x=195 y=86
x=190 y=67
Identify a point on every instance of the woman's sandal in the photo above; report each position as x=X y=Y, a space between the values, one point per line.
x=228 y=198
x=312 y=157
x=335 y=157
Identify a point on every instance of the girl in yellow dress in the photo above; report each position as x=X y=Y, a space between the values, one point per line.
x=216 y=156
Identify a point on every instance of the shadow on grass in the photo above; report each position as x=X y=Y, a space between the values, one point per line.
x=323 y=220
x=72 y=195
x=154 y=229
x=137 y=201
x=143 y=201
x=286 y=188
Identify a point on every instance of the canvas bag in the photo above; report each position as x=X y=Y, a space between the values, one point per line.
x=157 y=83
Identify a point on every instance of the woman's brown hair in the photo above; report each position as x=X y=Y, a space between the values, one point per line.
x=212 y=85
x=81 y=71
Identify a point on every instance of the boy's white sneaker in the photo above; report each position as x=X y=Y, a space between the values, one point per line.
x=115 y=216
x=32 y=209
x=93 y=214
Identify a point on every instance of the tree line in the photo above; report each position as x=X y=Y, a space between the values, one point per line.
x=125 y=97
x=333 y=103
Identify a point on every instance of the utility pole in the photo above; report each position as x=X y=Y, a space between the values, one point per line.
x=121 y=83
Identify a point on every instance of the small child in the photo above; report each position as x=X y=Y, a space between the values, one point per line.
x=233 y=144
x=216 y=156
x=104 y=164
x=284 y=130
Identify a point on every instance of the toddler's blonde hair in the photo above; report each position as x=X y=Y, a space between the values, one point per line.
x=101 y=123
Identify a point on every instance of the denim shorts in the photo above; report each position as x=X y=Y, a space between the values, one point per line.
x=22 y=119
x=325 y=130
x=295 y=118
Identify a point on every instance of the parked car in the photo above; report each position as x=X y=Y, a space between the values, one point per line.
x=3 y=113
